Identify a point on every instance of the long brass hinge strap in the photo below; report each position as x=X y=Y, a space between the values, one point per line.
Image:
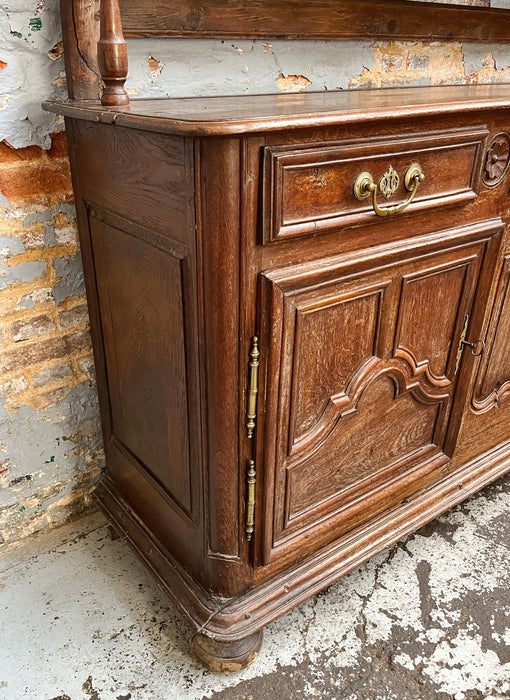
x=251 y=479
x=253 y=387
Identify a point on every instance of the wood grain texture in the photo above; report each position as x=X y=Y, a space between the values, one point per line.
x=312 y=189
x=144 y=294
x=112 y=55
x=364 y=429
x=243 y=114
x=80 y=33
x=316 y=19
x=361 y=387
x=493 y=380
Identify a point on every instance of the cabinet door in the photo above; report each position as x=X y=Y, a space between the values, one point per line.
x=360 y=379
x=492 y=387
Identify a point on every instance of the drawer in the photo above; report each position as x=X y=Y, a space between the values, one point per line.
x=311 y=189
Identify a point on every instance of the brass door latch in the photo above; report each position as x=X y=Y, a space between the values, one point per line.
x=477 y=347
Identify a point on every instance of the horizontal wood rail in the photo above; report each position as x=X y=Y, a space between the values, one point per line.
x=254 y=19
x=314 y=19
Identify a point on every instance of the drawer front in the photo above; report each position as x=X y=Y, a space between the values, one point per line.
x=311 y=189
x=362 y=370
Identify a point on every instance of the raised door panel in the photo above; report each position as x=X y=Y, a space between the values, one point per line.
x=493 y=379
x=361 y=377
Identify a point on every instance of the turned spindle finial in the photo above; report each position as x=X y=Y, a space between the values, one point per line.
x=112 y=55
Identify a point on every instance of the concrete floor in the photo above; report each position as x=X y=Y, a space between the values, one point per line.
x=80 y=619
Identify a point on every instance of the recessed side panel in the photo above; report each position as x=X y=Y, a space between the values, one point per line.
x=143 y=287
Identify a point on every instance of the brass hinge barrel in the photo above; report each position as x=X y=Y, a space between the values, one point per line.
x=251 y=479
x=253 y=387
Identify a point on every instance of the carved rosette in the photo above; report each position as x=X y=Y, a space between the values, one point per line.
x=497 y=160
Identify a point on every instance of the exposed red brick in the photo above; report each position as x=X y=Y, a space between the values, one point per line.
x=43 y=351
x=33 y=237
x=52 y=374
x=31 y=327
x=75 y=316
x=293 y=83
x=58 y=146
x=42 y=184
x=56 y=51
x=9 y=154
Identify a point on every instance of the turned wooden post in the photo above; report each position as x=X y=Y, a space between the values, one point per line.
x=80 y=32
x=112 y=55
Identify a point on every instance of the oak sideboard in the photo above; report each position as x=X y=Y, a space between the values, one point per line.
x=300 y=310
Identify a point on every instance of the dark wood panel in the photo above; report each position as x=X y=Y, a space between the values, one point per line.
x=143 y=177
x=388 y=19
x=364 y=429
x=80 y=33
x=144 y=295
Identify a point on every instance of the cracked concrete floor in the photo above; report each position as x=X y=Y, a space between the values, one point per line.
x=81 y=619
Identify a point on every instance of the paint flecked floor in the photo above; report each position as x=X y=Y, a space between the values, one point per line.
x=81 y=619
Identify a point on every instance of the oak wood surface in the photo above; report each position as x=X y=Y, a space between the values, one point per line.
x=112 y=55
x=325 y=19
x=364 y=429
x=80 y=34
x=309 y=189
x=264 y=113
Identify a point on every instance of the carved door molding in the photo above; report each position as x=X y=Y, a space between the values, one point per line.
x=361 y=378
x=493 y=380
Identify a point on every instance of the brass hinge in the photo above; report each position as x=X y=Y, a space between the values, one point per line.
x=251 y=479
x=253 y=387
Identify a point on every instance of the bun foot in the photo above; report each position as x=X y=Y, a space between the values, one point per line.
x=112 y=533
x=227 y=657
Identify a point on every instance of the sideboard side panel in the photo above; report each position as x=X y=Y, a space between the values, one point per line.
x=138 y=240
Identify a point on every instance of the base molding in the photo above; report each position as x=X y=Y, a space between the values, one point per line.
x=239 y=620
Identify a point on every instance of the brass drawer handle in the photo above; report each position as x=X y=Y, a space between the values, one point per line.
x=365 y=186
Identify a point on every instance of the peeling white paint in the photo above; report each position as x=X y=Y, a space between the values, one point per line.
x=113 y=624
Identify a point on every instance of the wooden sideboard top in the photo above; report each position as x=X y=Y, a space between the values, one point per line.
x=202 y=116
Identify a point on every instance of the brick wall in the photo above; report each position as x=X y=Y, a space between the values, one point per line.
x=50 y=448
